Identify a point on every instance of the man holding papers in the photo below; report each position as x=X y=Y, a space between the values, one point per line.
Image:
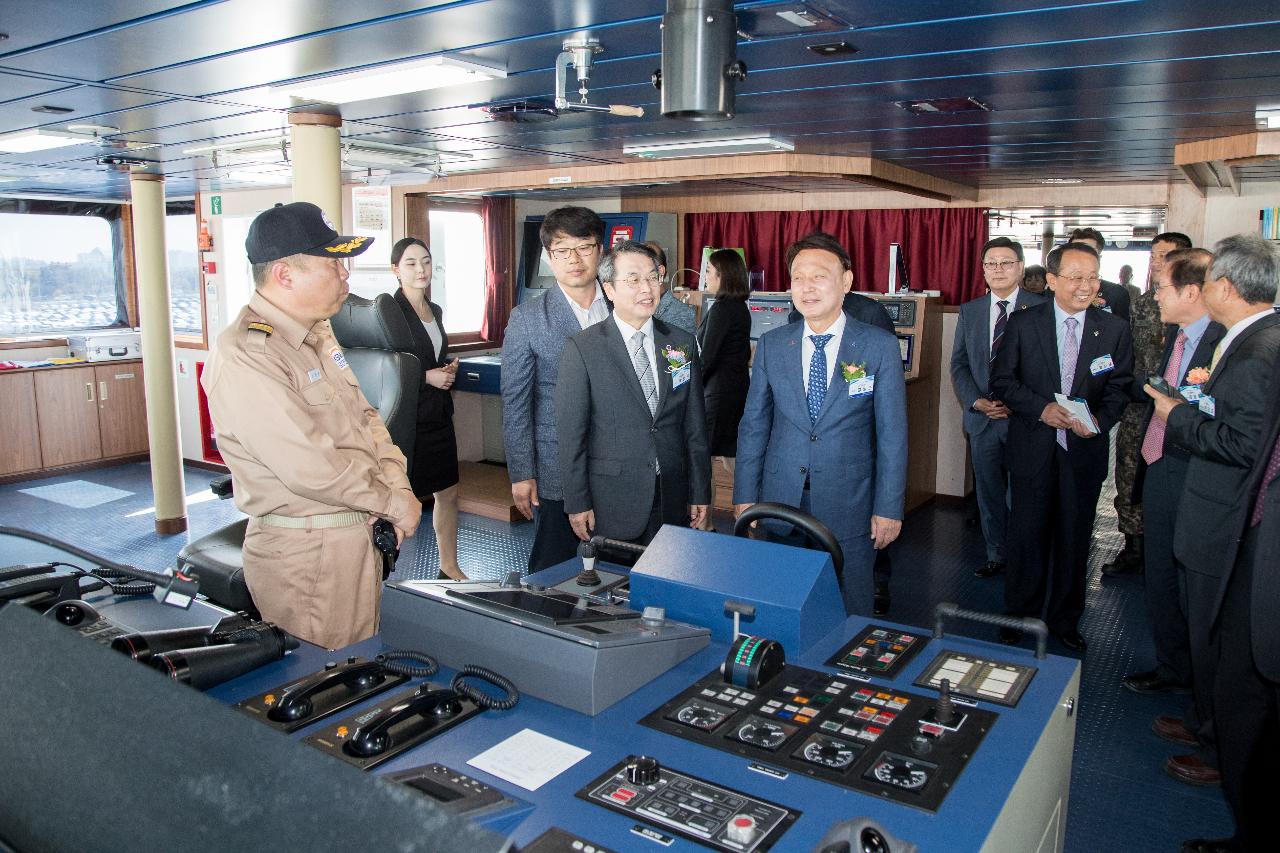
x=1064 y=370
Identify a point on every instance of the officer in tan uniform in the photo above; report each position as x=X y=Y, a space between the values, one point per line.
x=312 y=463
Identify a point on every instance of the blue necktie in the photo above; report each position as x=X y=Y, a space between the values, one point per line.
x=818 y=375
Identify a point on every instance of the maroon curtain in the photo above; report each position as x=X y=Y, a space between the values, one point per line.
x=942 y=245
x=498 y=216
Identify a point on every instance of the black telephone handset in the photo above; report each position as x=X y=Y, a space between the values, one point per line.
x=1160 y=384
x=37 y=584
x=296 y=701
x=374 y=737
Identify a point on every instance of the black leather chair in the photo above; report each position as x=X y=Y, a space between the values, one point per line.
x=376 y=339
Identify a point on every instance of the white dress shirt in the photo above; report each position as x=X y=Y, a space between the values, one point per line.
x=628 y=331
x=1059 y=319
x=993 y=313
x=832 y=349
x=598 y=309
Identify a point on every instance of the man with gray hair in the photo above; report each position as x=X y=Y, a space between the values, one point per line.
x=631 y=428
x=1221 y=431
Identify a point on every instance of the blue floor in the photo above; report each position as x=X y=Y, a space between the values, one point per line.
x=1120 y=797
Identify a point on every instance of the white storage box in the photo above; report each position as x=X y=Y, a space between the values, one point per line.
x=107 y=345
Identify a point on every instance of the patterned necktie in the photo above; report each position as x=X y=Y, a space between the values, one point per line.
x=1070 y=352
x=818 y=375
x=640 y=361
x=998 y=331
x=1273 y=468
x=1153 y=442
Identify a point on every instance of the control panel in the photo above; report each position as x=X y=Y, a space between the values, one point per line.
x=878 y=651
x=878 y=740
x=995 y=681
x=454 y=792
x=693 y=808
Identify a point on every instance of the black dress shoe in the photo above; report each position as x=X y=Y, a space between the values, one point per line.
x=990 y=570
x=1073 y=640
x=1151 y=683
x=1010 y=636
x=1208 y=845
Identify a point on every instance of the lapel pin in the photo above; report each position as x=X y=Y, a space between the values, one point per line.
x=1095 y=333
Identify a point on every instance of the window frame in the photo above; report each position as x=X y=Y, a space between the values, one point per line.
x=471 y=340
x=186 y=340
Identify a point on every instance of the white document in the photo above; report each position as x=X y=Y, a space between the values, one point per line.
x=529 y=759
x=1079 y=411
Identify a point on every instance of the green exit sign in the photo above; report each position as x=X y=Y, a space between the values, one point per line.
x=215 y=205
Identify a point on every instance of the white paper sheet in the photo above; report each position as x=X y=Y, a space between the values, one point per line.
x=529 y=759
x=1078 y=410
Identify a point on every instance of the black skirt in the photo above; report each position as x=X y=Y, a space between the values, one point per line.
x=435 y=457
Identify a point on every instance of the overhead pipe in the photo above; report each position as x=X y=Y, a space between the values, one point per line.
x=699 y=62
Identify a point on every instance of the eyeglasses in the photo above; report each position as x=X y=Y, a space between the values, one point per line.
x=992 y=266
x=1077 y=280
x=633 y=282
x=583 y=251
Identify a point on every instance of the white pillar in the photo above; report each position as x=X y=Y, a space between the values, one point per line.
x=317 y=175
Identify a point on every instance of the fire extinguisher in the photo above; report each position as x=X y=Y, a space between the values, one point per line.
x=205 y=240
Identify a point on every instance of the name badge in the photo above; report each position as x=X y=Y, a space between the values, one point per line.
x=1207 y=405
x=314 y=374
x=339 y=357
x=1102 y=364
x=680 y=376
x=1190 y=393
x=863 y=387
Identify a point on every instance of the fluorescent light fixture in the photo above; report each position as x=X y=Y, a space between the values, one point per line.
x=709 y=147
x=273 y=178
x=399 y=78
x=1268 y=119
x=1058 y=182
x=39 y=139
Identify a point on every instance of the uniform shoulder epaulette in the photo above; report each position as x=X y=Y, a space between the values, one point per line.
x=265 y=328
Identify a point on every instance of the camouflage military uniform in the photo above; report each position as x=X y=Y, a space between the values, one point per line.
x=1148 y=352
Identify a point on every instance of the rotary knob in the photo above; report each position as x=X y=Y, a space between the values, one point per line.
x=643 y=770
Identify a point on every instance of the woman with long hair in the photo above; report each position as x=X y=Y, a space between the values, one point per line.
x=434 y=473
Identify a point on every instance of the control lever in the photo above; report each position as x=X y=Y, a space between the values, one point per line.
x=588 y=576
x=296 y=702
x=739 y=608
x=374 y=737
x=944 y=712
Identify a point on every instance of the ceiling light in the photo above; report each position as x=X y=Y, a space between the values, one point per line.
x=398 y=78
x=709 y=147
x=39 y=139
x=49 y=109
x=835 y=48
x=278 y=179
x=1062 y=181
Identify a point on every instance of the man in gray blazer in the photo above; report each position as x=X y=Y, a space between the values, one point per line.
x=633 y=444
x=572 y=237
x=986 y=419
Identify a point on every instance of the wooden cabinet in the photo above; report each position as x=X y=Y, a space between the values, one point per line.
x=67 y=403
x=59 y=416
x=122 y=408
x=19 y=430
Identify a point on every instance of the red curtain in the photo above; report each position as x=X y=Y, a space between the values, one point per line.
x=942 y=245
x=498 y=216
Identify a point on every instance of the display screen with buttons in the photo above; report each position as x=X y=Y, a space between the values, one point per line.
x=878 y=651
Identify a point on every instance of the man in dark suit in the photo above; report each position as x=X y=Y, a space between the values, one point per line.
x=979 y=333
x=1222 y=432
x=632 y=428
x=1246 y=691
x=1190 y=339
x=1114 y=297
x=1057 y=462
x=572 y=237
x=825 y=428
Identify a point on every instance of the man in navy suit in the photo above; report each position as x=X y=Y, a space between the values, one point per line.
x=1161 y=477
x=1222 y=432
x=979 y=333
x=1057 y=462
x=825 y=426
x=572 y=237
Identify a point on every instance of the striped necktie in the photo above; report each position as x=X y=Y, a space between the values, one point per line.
x=640 y=361
x=1070 y=353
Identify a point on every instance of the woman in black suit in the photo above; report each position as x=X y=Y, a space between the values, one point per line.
x=435 y=456
x=724 y=338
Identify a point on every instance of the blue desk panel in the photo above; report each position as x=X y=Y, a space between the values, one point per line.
x=961 y=824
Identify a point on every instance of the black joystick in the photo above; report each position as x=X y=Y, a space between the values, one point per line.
x=588 y=576
x=944 y=712
x=643 y=770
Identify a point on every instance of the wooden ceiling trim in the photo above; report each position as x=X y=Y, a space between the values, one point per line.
x=863 y=170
